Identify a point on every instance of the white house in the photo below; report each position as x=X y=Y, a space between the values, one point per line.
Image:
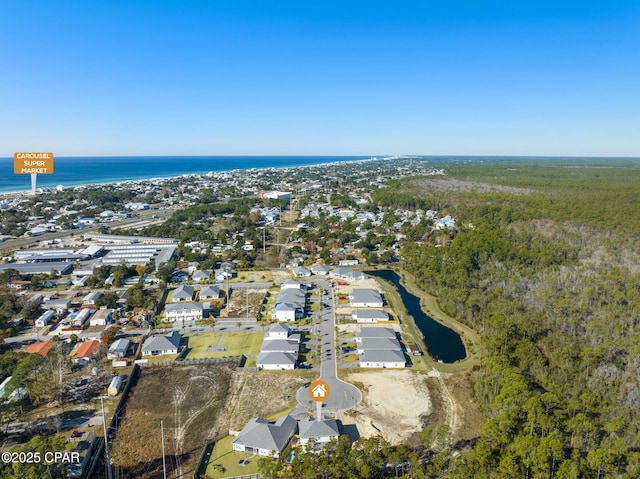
x=91 y=298
x=158 y=345
x=201 y=275
x=278 y=331
x=365 y=298
x=373 y=332
x=382 y=359
x=222 y=274
x=263 y=438
x=276 y=360
x=320 y=270
x=101 y=317
x=184 y=312
x=118 y=348
x=45 y=318
x=301 y=272
x=379 y=344
x=369 y=315
x=183 y=293
x=210 y=292
x=292 y=284
x=290 y=305
x=320 y=431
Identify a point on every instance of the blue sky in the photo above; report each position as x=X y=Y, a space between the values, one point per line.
x=305 y=77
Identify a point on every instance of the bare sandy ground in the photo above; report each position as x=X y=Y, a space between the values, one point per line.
x=393 y=405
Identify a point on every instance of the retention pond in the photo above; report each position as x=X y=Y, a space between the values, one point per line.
x=443 y=343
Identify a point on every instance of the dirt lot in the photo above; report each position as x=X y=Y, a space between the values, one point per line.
x=394 y=404
x=196 y=403
x=399 y=404
x=238 y=303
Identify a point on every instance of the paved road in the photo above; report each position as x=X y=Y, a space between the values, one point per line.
x=343 y=395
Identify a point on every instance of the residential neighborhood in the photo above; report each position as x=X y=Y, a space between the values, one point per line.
x=282 y=285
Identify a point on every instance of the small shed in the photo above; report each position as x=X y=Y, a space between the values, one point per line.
x=116 y=385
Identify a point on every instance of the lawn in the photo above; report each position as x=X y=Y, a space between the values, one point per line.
x=235 y=342
x=224 y=461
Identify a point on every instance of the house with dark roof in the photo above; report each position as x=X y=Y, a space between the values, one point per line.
x=163 y=344
x=263 y=438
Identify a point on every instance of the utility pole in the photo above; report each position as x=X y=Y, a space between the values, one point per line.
x=164 y=464
x=106 y=440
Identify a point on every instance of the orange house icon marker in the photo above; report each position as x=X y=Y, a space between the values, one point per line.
x=319 y=390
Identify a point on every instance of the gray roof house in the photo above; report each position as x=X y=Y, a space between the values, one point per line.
x=210 y=292
x=389 y=344
x=373 y=332
x=301 y=272
x=365 y=298
x=321 y=270
x=264 y=438
x=350 y=274
x=223 y=273
x=118 y=348
x=320 y=431
x=183 y=293
x=276 y=360
x=290 y=305
x=377 y=358
x=184 y=312
x=369 y=315
x=280 y=345
x=157 y=345
x=278 y=331
x=201 y=275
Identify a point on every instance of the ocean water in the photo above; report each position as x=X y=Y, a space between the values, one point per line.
x=74 y=171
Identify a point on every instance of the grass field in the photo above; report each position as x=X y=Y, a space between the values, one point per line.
x=235 y=342
x=224 y=461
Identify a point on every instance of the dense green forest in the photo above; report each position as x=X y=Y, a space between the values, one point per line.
x=544 y=264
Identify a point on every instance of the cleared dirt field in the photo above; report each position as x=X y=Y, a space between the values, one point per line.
x=394 y=404
x=237 y=307
x=196 y=403
x=189 y=400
